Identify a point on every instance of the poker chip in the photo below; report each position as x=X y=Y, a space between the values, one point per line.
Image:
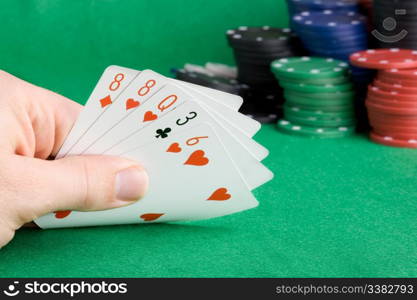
x=254 y=49
x=393 y=142
x=311 y=88
x=336 y=29
x=329 y=20
x=313 y=107
x=309 y=68
x=317 y=132
x=259 y=36
x=395 y=87
x=317 y=122
x=348 y=95
x=221 y=70
x=331 y=33
x=393 y=81
x=297 y=6
x=205 y=78
x=316 y=81
x=385 y=59
x=317 y=113
x=318 y=103
x=401 y=74
x=392 y=108
x=391 y=95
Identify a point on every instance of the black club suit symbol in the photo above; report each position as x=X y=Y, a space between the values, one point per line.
x=162 y=133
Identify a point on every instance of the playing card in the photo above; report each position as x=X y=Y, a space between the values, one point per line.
x=192 y=178
x=163 y=101
x=113 y=81
x=137 y=120
x=142 y=88
x=189 y=115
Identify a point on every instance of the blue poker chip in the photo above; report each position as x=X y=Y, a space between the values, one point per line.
x=318 y=5
x=298 y=6
x=341 y=34
x=334 y=43
x=329 y=21
x=342 y=51
x=338 y=56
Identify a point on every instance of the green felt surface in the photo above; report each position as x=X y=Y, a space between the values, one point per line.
x=342 y=208
x=336 y=207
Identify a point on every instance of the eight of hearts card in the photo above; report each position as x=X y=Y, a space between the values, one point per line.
x=196 y=147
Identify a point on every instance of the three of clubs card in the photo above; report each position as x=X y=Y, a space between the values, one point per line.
x=196 y=147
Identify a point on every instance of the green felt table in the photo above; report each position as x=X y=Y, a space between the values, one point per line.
x=344 y=207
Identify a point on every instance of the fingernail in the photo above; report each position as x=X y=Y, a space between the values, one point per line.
x=131 y=184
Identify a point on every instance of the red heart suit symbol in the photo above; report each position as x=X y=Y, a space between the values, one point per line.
x=149 y=116
x=150 y=217
x=131 y=103
x=62 y=214
x=197 y=158
x=220 y=194
x=174 y=148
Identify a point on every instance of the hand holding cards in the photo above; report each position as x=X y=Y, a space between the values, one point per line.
x=195 y=145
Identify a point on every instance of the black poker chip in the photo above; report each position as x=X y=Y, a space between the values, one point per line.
x=254 y=49
x=227 y=85
x=259 y=37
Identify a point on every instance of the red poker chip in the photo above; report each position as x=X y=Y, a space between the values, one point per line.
x=393 y=127
x=395 y=134
x=390 y=141
x=404 y=74
x=392 y=102
x=383 y=59
x=392 y=95
x=402 y=82
x=391 y=119
x=390 y=109
x=395 y=87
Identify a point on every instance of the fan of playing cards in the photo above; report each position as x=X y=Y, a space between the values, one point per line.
x=196 y=147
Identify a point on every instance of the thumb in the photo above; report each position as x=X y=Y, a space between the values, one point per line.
x=83 y=183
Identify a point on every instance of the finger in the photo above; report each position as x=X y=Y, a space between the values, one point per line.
x=83 y=183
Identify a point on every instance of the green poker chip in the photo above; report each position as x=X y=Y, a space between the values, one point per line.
x=317 y=102
x=309 y=67
x=315 y=132
x=320 y=122
x=316 y=81
x=326 y=109
x=309 y=88
x=323 y=96
x=317 y=113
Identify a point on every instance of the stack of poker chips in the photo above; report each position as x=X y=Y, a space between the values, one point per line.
x=254 y=49
x=210 y=79
x=338 y=35
x=319 y=97
x=298 y=6
x=392 y=98
x=395 y=23
x=331 y=34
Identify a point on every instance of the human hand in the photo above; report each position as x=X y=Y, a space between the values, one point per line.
x=34 y=124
